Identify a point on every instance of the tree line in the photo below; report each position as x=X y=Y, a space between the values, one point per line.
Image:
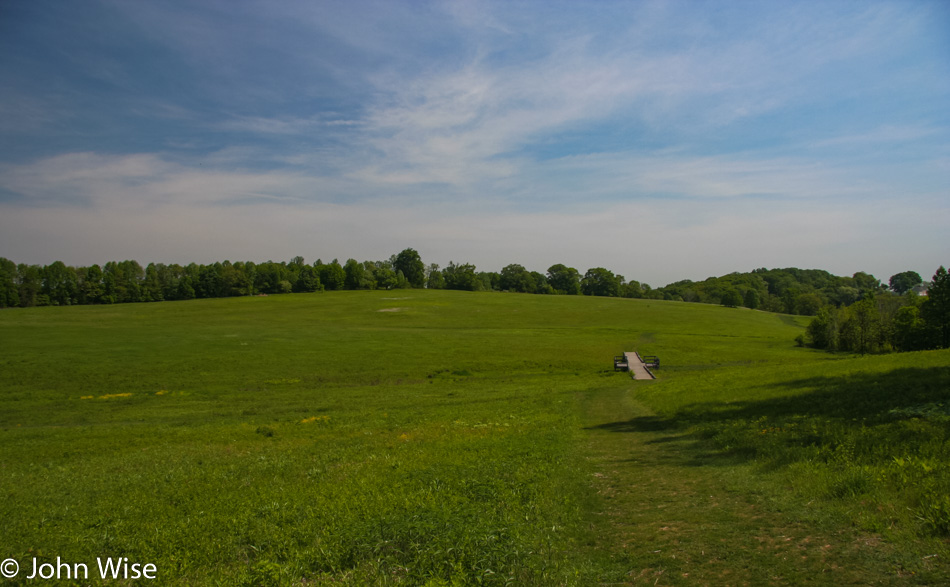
x=857 y=313
x=787 y=291
x=127 y=281
x=884 y=322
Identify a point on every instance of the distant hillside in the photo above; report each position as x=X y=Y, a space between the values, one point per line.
x=790 y=290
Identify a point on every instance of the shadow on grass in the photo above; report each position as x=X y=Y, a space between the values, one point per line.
x=860 y=405
x=863 y=396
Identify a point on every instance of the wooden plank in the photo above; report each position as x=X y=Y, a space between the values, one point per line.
x=637 y=369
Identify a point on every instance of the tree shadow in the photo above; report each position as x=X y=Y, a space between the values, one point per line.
x=640 y=424
x=848 y=404
x=868 y=397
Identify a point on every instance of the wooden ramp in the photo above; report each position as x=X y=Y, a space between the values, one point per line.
x=637 y=369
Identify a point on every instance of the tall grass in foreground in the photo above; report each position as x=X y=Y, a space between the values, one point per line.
x=299 y=438
x=268 y=495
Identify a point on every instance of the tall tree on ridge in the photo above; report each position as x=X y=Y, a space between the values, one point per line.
x=565 y=280
x=905 y=281
x=410 y=263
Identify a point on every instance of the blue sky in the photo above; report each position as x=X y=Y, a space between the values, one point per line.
x=662 y=140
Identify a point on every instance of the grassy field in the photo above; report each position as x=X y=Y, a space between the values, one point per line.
x=451 y=438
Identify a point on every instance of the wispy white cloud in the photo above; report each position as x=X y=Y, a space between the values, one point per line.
x=888 y=134
x=465 y=125
x=285 y=125
x=106 y=183
x=658 y=177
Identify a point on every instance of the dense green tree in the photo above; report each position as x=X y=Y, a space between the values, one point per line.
x=401 y=281
x=600 y=282
x=790 y=300
x=685 y=290
x=60 y=284
x=30 y=286
x=307 y=280
x=461 y=276
x=751 y=299
x=368 y=280
x=191 y=271
x=905 y=281
x=844 y=295
x=354 y=274
x=186 y=289
x=209 y=283
x=935 y=310
x=808 y=304
x=824 y=331
x=152 y=290
x=268 y=276
x=434 y=277
x=90 y=288
x=909 y=333
x=168 y=276
x=9 y=296
x=877 y=323
x=516 y=278
x=888 y=305
x=410 y=263
x=540 y=283
x=384 y=275
x=109 y=291
x=861 y=330
x=489 y=280
x=134 y=276
x=332 y=275
x=239 y=279
x=778 y=290
x=631 y=289
x=565 y=280
x=123 y=281
x=730 y=298
x=867 y=283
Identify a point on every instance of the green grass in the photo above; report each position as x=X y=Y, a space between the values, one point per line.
x=423 y=437
x=829 y=472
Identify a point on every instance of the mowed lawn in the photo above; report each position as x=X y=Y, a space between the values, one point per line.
x=432 y=437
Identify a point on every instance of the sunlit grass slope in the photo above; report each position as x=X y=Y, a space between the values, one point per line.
x=405 y=437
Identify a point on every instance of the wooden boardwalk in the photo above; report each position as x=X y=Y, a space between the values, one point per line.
x=637 y=369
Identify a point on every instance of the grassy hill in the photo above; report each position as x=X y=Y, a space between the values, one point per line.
x=437 y=437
